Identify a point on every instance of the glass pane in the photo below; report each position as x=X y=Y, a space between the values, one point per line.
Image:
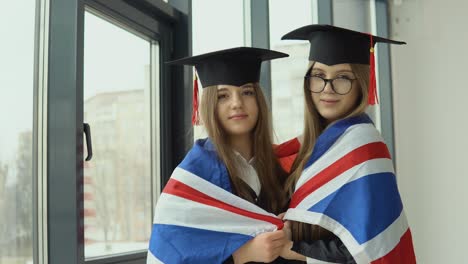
x=117 y=189
x=208 y=35
x=287 y=74
x=17 y=19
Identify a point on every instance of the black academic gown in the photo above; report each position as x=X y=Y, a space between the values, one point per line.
x=330 y=250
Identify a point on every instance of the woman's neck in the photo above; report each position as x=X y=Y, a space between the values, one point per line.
x=243 y=145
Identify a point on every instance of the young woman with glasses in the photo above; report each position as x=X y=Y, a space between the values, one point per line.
x=344 y=205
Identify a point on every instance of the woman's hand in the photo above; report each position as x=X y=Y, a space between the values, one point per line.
x=286 y=251
x=287 y=230
x=281 y=216
x=265 y=247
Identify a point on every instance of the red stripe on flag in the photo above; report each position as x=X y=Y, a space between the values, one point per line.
x=180 y=189
x=357 y=156
x=403 y=253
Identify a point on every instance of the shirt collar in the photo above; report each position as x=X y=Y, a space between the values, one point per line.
x=250 y=162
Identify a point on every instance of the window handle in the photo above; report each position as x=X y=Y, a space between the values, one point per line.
x=89 y=145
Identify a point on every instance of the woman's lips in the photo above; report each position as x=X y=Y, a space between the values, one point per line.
x=328 y=101
x=238 y=117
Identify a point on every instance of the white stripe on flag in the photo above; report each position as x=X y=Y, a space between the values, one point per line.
x=212 y=190
x=174 y=210
x=355 y=136
x=382 y=244
x=354 y=173
x=356 y=250
x=372 y=250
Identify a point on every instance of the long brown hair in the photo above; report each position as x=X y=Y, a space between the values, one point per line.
x=271 y=197
x=314 y=125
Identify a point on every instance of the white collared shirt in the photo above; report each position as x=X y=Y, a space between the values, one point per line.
x=248 y=173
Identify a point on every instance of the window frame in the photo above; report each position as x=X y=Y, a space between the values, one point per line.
x=154 y=20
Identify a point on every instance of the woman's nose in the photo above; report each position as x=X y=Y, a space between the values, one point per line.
x=328 y=87
x=236 y=100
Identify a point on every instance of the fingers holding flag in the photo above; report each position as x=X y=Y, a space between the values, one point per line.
x=265 y=247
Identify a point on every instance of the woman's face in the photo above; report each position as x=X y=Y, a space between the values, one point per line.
x=333 y=104
x=237 y=109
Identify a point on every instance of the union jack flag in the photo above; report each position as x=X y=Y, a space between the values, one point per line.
x=349 y=187
x=198 y=219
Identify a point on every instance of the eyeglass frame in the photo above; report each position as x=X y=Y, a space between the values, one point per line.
x=308 y=77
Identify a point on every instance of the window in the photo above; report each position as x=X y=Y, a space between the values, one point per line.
x=287 y=74
x=208 y=15
x=117 y=105
x=17 y=22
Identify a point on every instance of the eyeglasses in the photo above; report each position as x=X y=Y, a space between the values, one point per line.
x=340 y=85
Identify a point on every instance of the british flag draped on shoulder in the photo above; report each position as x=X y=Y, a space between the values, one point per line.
x=198 y=219
x=349 y=187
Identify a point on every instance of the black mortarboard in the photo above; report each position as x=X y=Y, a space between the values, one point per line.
x=236 y=66
x=332 y=45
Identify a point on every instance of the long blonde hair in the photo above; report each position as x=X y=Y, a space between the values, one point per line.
x=314 y=125
x=271 y=197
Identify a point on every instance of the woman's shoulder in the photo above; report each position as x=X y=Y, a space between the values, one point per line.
x=202 y=152
x=203 y=161
x=361 y=125
x=347 y=134
x=363 y=136
x=364 y=130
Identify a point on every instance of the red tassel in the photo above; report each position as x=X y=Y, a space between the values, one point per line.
x=373 y=98
x=195 y=113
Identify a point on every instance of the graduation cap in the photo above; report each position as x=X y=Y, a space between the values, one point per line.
x=332 y=45
x=236 y=66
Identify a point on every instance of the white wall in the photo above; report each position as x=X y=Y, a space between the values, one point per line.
x=430 y=83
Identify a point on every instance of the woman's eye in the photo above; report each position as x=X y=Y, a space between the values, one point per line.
x=318 y=75
x=248 y=92
x=222 y=96
x=344 y=77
